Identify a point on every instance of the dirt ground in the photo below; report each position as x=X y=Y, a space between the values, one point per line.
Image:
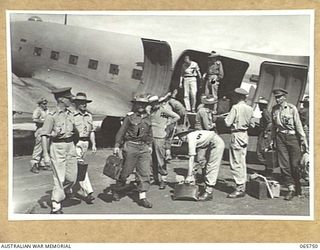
x=31 y=194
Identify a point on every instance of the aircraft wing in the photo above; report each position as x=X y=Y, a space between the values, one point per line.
x=107 y=98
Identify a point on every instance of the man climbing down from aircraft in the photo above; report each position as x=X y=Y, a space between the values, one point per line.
x=213 y=76
x=39 y=115
x=161 y=118
x=264 y=138
x=135 y=135
x=85 y=128
x=189 y=73
x=239 y=119
x=170 y=129
x=59 y=129
x=289 y=139
x=209 y=141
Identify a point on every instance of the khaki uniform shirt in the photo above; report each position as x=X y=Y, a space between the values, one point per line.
x=160 y=119
x=285 y=117
x=216 y=69
x=59 y=124
x=39 y=115
x=136 y=128
x=199 y=139
x=189 y=70
x=83 y=123
x=205 y=119
x=240 y=117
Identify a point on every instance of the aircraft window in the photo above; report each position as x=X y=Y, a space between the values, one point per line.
x=114 y=69
x=136 y=74
x=37 y=51
x=73 y=59
x=54 y=55
x=93 y=64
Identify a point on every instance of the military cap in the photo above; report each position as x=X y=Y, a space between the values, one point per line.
x=241 y=91
x=209 y=100
x=213 y=54
x=42 y=100
x=153 y=98
x=262 y=100
x=81 y=97
x=140 y=98
x=279 y=92
x=62 y=92
x=305 y=99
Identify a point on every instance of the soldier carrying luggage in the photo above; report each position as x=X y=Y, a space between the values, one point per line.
x=135 y=137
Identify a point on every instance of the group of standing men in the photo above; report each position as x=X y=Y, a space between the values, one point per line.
x=63 y=136
x=62 y=140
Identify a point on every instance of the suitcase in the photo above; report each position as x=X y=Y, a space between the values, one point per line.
x=82 y=170
x=113 y=167
x=271 y=159
x=187 y=192
x=258 y=189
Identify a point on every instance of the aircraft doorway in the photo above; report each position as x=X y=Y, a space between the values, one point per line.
x=234 y=71
x=157 y=67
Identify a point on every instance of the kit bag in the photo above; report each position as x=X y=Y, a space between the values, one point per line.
x=186 y=191
x=82 y=170
x=113 y=167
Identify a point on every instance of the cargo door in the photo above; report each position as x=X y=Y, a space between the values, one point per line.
x=291 y=77
x=156 y=68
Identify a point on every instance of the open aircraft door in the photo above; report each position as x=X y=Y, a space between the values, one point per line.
x=157 y=67
x=291 y=77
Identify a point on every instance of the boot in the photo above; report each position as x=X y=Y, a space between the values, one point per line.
x=35 y=168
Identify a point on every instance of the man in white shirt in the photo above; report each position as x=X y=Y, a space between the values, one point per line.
x=212 y=142
x=189 y=73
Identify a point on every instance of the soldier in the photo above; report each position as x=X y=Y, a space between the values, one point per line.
x=213 y=76
x=59 y=128
x=85 y=128
x=211 y=141
x=264 y=138
x=177 y=107
x=304 y=116
x=135 y=135
x=288 y=138
x=38 y=116
x=239 y=119
x=205 y=120
x=189 y=73
x=161 y=118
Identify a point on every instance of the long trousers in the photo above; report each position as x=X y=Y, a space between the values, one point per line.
x=159 y=165
x=137 y=156
x=190 y=92
x=37 y=150
x=215 y=154
x=289 y=156
x=85 y=185
x=64 y=164
x=237 y=157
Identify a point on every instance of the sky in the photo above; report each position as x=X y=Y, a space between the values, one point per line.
x=273 y=34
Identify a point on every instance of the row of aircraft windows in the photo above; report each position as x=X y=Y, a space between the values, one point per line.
x=93 y=64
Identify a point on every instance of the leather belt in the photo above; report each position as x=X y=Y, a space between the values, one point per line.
x=288 y=132
x=188 y=76
x=239 y=130
x=67 y=140
x=137 y=142
x=84 y=138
